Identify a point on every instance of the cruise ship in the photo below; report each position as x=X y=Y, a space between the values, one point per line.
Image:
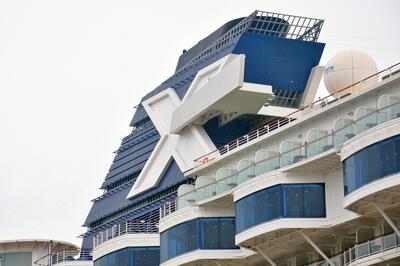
x=233 y=160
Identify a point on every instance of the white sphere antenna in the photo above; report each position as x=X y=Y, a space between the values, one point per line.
x=348 y=67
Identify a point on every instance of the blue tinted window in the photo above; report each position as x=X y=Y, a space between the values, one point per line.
x=203 y=233
x=140 y=256
x=164 y=246
x=192 y=233
x=387 y=158
x=249 y=219
x=314 y=200
x=293 y=200
x=274 y=203
x=373 y=162
x=227 y=235
x=260 y=207
x=172 y=242
x=373 y=169
x=397 y=153
x=210 y=233
x=239 y=208
x=289 y=201
x=350 y=174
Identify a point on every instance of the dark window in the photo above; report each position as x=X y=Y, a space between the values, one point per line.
x=350 y=174
x=289 y=201
x=397 y=153
x=240 y=208
x=181 y=233
x=274 y=203
x=260 y=207
x=293 y=200
x=140 y=256
x=249 y=210
x=202 y=233
x=192 y=234
x=387 y=158
x=371 y=164
x=314 y=200
x=210 y=234
x=227 y=235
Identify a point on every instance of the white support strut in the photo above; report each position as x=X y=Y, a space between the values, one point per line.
x=387 y=218
x=316 y=248
x=266 y=257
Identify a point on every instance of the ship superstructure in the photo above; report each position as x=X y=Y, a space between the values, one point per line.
x=231 y=161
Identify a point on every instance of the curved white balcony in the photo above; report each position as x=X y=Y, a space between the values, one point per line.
x=371 y=167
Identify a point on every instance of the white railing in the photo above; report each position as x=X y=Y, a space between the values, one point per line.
x=278 y=123
x=129 y=227
x=64 y=256
x=363 y=250
x=167 y=208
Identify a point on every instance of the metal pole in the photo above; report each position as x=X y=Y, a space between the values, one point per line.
x=266 y=257
x=316 y=248
x=387 y=218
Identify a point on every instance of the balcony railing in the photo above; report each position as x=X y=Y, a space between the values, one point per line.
x=65 y=256
x=167 y=208
x=297 y=152
x=363 y=250
x=278 y=123
x=129 y=227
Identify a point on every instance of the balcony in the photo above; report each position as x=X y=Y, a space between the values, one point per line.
x=126 y=228
x=67 y=257
x=373 y=251
x=277 y=124
x=318 y=142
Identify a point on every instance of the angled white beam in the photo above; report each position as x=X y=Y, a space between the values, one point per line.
x=320 y=252
x=387 y=218
x=191 y=143
x=266 y=257
x=219 y=87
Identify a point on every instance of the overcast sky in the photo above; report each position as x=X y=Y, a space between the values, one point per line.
x=71 y=72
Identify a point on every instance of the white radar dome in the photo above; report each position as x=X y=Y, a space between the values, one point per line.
x=348 y=67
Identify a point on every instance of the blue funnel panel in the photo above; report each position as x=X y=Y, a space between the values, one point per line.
x=283 y=63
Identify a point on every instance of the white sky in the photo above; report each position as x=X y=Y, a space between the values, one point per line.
x=72 y=70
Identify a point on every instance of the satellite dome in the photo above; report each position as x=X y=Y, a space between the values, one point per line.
x=348 y=67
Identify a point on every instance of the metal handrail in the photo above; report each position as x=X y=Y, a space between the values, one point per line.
x=64 y=256
x=302 y=149
x=280 y=122
x=128 y=227
x=362 y=250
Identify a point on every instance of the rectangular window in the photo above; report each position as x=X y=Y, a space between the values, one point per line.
x=192 y=233
x=210 y=233
x=240 y=215
x=172 y=242
x=293 y=195
x=181 y=234
x=387 y=158
x=122 y=257
x=371 y=163
x=350 y=175
x=261 y=207
x=397 y=153
x=164 y=246
x=274 y=203
x=227 y=233
x=249 y=215
x=314 y=200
